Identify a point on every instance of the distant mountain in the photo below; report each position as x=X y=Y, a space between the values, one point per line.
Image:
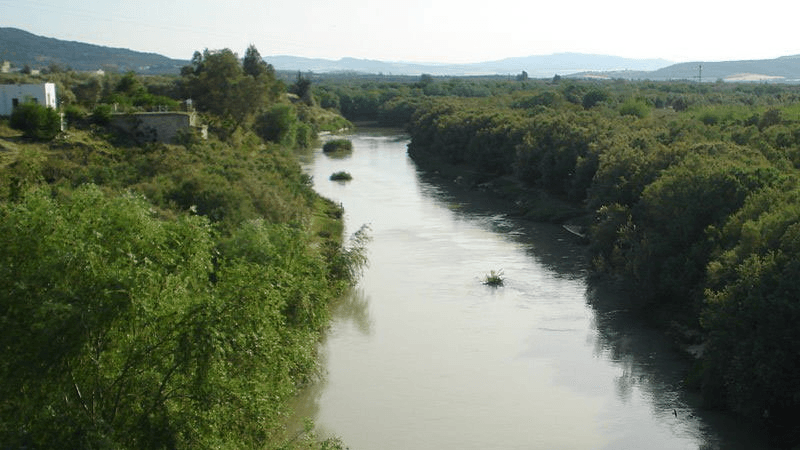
x=536 y=66
x=785 y=69
x=22 y=48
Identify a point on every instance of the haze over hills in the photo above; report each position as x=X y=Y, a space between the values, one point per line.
x=537 y=66
x=22 y=48
x=785 y=69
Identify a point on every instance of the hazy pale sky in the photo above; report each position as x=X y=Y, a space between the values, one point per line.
x=449 y=31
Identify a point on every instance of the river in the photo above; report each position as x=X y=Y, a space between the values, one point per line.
x=422 y=355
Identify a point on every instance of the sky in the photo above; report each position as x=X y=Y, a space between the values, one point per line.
x=445 y=31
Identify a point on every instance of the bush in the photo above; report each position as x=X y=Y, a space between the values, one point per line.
x=593 y=98
x=101 y=114
x=279 y=124
x=636 y=108
x=338 y=145
x=74 y=115
x=36 y=121
x=305 y=135
x=341 y=176
x=494 y=278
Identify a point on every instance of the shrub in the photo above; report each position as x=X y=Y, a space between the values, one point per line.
x=338 y=146
x=341 y=176
x=636 y=108
x=278 y=124
x=101 y=114
x=36 y=121
x=305 y=135
x=74 y=115
x=494 y=278
x=593 y=98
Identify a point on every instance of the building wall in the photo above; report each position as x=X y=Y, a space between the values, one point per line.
x=11 y=94
x=157 y=126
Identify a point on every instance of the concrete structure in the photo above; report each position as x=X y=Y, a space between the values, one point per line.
x=159 y=126
x=12 y=95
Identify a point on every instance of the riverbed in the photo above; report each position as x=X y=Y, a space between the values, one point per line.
x=422 y=354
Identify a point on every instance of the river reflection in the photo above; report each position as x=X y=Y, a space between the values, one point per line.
x=422 y=355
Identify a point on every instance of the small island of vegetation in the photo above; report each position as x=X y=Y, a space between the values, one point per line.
x=494 y=278
x=338 y=146
x=341 y=176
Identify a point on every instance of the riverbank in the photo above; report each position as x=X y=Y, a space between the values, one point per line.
x=512 y=196
x=193 y=281
x=509 y=196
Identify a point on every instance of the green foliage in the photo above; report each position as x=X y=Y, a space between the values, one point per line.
x=752 y=311
x=95 y=348
x=278 y=124
x=636 y=108
x=338 y=146
x=254 y=65
x=74 y=115
x=36 y=121
x=302 y=89
x=165 y=296
x=347 y=264
x=131 y=94
x=217 y=83
x=494 y=278
x=341 y=176
x=131 y=324
x=593 y=98
x=677 y=208
x=101 y=114
x=113 y=331
x=88 y=93
x=545 y=98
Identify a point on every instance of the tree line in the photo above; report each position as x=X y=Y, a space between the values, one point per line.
x=166 y=295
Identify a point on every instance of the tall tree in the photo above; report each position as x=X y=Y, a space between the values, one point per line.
x=217 y=83
x=302 y=88
x=254 y=65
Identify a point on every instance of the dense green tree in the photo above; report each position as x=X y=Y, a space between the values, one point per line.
x=36 y=121
x=88 y=92
x=93 y=355
x=753 y=308
x=593 y=98
x=278 y=124
x=217 y=83
x=254 y=65
x=302 y=88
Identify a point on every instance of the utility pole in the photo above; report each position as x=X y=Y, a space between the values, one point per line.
x=700 y=73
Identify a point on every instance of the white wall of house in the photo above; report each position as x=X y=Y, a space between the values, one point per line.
x=14 y=94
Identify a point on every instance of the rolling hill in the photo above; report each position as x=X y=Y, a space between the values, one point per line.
x=785 y=69
x=537 y=66
x=22 y=48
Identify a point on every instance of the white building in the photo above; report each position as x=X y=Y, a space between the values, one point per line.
x=12 y=95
